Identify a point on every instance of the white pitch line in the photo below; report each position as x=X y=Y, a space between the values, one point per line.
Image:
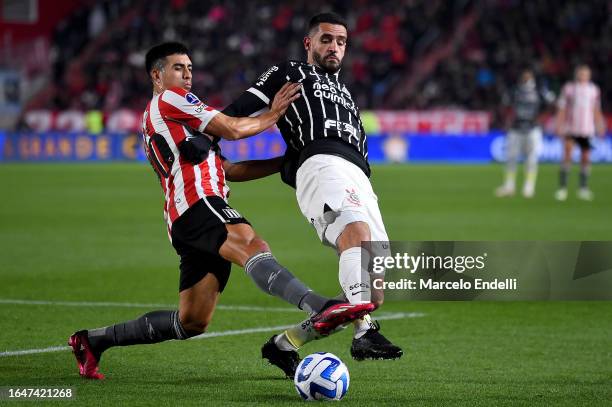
x=382 y=317
x=33 y=351
x=253 y=308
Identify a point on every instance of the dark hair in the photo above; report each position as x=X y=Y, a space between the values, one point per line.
x=156 y=54
x=581 y=65
x=331 y=18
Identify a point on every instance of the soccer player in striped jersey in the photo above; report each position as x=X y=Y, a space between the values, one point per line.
x=327 y=162
x=181 y=135
x=578 y=119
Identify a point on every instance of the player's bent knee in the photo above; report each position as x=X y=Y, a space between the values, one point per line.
x=194 y=321
x=359 y=229
x=193 y=325
x=243 y=235
x=353 y=234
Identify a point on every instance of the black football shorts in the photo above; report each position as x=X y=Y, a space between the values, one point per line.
x=583 y=142
x=197 y=237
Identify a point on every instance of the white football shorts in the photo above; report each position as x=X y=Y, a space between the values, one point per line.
x=333 y=192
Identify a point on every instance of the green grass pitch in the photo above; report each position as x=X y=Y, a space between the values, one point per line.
x=95 y=233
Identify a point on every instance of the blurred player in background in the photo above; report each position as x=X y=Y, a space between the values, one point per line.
x=326 y=161
x=525 y=135
x=578 y=119
x=181 y=136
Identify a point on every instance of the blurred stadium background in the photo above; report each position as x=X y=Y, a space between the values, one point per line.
x=82 y=240
x=430 y=76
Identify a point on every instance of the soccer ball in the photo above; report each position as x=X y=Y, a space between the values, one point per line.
x=321 y=376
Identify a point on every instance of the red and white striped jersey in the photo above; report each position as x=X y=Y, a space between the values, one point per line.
x=170 y=118
x=580 y=100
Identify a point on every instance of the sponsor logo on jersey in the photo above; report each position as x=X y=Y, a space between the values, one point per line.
x=341 y=126
x=192 y=99
x=264 y=77
x=330 y=92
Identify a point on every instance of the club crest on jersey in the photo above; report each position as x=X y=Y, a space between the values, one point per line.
x=353 y=197
x=192 y=99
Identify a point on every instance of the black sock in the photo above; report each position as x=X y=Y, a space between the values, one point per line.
x=313 y=302
x=153 y=327
x=276 y=280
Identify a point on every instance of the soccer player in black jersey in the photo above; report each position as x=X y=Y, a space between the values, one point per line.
x=327 y=162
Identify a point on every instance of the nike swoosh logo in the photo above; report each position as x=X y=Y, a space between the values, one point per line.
x=359 y=292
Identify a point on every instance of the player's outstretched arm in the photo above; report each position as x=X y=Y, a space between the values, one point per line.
x=250 y=170
x=236 y=128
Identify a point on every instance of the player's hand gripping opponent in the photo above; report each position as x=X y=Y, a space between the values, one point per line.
x=284 y=97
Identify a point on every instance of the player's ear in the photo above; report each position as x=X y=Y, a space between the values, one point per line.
x=307 y=43
x=155 y=76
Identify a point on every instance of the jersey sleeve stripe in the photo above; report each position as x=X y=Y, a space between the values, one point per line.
x=259 y=94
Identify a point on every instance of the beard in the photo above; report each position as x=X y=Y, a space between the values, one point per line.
x=328 y=65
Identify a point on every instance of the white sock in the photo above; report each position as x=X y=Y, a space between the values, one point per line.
x=362 y=325
x=354 y=280
x=510 y=181
x=283 y=343
x=299 y=335
x=355 y=283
